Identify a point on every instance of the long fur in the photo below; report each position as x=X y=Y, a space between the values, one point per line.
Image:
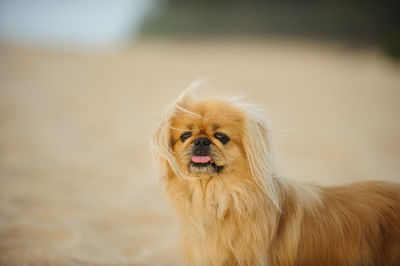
x=252 y=217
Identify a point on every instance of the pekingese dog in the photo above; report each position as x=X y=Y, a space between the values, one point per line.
x=215 y=158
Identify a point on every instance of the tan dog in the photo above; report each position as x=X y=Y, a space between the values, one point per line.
x=215 y=158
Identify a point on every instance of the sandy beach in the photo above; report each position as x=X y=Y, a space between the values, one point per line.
x=76 y=179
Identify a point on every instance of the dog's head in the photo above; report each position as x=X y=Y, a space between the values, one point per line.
x=207 y=138
x=203 y=139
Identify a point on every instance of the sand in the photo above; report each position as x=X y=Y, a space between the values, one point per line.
x=76 y=182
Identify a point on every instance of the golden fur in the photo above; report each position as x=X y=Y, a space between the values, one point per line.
x=245 y=215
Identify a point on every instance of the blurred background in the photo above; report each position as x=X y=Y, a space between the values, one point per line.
x=83 y=83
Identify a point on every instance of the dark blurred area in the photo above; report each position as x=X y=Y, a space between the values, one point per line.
x=354 y=23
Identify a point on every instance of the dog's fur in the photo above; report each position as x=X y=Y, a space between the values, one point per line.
x=245 y=215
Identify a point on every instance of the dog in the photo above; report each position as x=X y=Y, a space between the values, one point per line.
x=215 y=158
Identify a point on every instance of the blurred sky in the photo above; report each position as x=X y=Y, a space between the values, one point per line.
x=75 y=23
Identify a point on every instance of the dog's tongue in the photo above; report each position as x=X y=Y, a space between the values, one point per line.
x=201 y=159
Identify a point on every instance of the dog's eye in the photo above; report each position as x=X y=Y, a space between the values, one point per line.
x=222 y=137
x=185 y=136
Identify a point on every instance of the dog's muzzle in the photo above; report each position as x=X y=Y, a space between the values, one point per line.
x=201 y=147
x=201 y=154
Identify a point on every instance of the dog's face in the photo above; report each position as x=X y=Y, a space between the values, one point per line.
x=214 y=138
x=208 y=140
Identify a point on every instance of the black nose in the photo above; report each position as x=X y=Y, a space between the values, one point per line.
x=202 y=142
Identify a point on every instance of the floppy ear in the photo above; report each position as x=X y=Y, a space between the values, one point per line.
x=161 y=139
x=161 y=147
x=257 y=146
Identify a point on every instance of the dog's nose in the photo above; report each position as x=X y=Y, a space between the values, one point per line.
x=202 y=142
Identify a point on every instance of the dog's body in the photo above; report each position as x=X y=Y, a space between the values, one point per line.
x=215 y=158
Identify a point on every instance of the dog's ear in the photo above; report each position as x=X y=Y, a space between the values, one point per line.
x=258 y=149
x=161 y=142
x=161 y=147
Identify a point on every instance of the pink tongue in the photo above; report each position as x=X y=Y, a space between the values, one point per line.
x=201 y=159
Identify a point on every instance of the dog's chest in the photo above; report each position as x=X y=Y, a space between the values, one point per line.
x=210 y=202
